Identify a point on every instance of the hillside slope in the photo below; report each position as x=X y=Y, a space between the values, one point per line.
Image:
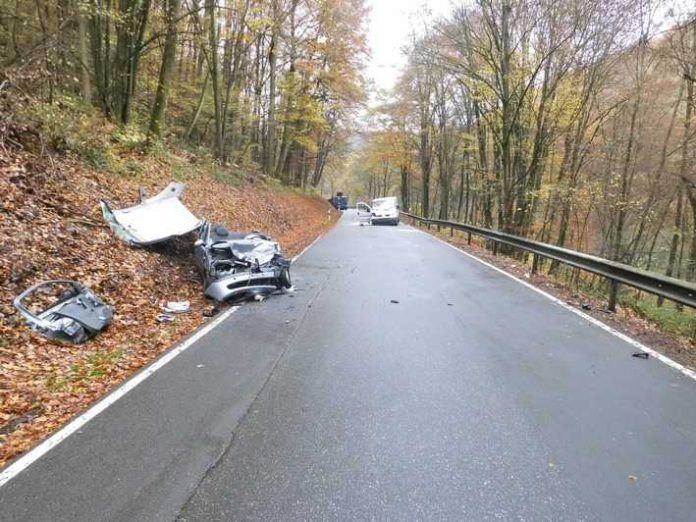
x=51 y=228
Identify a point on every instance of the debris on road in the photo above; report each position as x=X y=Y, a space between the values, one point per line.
x=394 y=301
x=587 y=307
x=154 y=219
x=240 y=265
x=641 y=355
x=73 y=315
x=165 y=318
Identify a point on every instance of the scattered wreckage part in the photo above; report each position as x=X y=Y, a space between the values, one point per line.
x=176 y=307
x=77 y=315
x=285 y=279
x=154 y=220
x=243 y=285
x=364 y=213
x=165 y=318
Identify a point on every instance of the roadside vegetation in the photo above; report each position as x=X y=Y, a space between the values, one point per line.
x=275 y=83
x=246 y=101
x=572 y=123
x=52 y=228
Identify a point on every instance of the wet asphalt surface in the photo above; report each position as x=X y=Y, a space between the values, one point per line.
x=401 y=381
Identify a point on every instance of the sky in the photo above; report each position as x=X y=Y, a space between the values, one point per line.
x=391 y=23
x=389 y=28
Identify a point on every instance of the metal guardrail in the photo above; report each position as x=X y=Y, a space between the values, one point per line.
x=673 y=289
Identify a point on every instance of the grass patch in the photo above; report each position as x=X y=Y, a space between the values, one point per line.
x=57 y=383
x=96 y=365
x=670 y=317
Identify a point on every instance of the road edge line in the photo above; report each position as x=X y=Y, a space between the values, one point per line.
x=307 y=247
x=112 y=397
x=630 y=340
x=102 y=404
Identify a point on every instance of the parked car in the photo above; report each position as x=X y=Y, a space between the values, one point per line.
x=339 y=201
x=385 y=211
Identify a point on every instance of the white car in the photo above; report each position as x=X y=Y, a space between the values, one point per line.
x=385 y=211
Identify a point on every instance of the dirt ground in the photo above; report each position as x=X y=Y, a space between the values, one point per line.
x=51 y=228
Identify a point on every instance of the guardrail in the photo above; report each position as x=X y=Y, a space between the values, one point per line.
x=617 y=273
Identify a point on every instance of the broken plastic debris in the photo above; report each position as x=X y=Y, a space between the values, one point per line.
x=165 y=318
x=76 y=316
x=177 y=307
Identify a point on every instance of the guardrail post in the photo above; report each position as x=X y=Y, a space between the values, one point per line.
x=613 y=294
x=535 y=263
x=495 y=248
x=428 y=225
x=451 y=231
x=438 y=227
x=468 y=238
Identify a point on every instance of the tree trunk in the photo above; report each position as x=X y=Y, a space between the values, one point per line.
x=166 y=70
x=83 y=54
x=210 y=7
x=199 y=108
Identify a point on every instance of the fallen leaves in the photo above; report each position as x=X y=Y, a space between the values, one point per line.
x=51 y=228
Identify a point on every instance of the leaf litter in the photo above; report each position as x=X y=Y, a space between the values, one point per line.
x=51 y=228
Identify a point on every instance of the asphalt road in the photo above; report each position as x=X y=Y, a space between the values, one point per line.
x=401 y=381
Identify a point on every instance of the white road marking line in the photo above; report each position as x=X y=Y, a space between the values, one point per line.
x=307 y=248
x=636 y=344
x=78 y=422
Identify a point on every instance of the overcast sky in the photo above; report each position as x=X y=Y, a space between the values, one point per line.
x=390 y=25
x=391 y=22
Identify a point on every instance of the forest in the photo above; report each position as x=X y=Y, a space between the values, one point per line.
x=568 y=122
x=573 y=122
x=273 y=83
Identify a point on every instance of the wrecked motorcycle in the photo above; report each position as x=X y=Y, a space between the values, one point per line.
x=76 y=316
x=238 y=265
